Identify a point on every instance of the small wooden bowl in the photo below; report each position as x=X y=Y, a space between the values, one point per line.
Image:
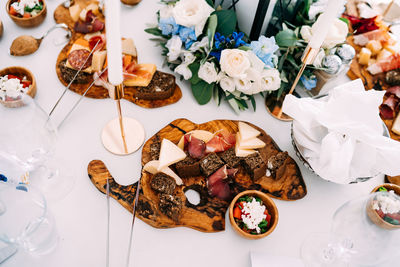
x=373 y=215
x=270 y=205
x=27 y=22
x=19 y=71
x=131 y=2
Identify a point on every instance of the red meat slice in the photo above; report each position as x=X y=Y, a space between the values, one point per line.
x=196 y=147
x=388 y=107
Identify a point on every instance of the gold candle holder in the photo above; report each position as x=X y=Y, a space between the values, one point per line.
x=122 y=135
x=308 y=57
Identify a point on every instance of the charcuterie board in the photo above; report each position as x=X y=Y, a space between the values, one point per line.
x=63 y=15
x=209 y=214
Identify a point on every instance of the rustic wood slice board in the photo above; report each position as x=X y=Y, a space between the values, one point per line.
x=61 y=15
x=209 y=214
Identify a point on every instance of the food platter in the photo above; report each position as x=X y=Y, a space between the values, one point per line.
x=131 y=93
x=209 y=215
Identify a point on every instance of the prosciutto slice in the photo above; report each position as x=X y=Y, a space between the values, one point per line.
x=92 y=24
x=217 y=183
x=196 y=147
x=386 y=64
x=387 y=109
x=222 y=141
x=395 y=90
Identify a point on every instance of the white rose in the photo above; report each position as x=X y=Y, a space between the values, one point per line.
x=337 y=34
x=190 y=13
x=255 y=61
x=270 y=80
x=318 y=59
x=234 y=62
x=166 y=11
x=183 y=69
x=227 y=83
x=243 y=85
x=187 y=57
x=255 y=78
x=306 y=33
x=174 y=46
x=208 y=73
x=202 y=44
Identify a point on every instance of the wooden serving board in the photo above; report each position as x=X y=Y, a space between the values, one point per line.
x=61 y=15
x=209 y=214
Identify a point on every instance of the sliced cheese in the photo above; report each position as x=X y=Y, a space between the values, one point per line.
x=90 y=35
x=364 y=56
x=87 y=70
x=243 y=152
x=144 y=74
x=79 y=44
x=247 y=132
x=74 y=12
x=152 y=167
x=169 y=154
x=374 y=46
x=99 y=57
x=396 y=125
x=253 y=143
x=203 y=135
x=128 y=47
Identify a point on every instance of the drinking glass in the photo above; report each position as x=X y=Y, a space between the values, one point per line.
x=28 y=136
x=25 y=221
x=354 y=239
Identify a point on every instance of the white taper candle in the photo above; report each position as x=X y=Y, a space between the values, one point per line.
x=324 y=22
x=113 y=36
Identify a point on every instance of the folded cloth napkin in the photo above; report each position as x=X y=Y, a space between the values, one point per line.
x=259 y=259
x=341 y=135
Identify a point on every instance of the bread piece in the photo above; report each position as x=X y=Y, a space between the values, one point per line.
x=210 y=164
x=162 y=86
x=188 y=167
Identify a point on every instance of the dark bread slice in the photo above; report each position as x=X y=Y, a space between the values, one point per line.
x=189 y=167
x=210 y=164
x=162 y=86
x=68 y=74
x=230 y=158
x=255 y=166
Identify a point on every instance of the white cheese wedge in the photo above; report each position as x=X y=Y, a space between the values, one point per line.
x=169 y=154
x=152 y=167
x=93 y=7
x=74 y=12
x=90 y=35
x=128 y=47
x=249 y=144
x=203 y=135
x=99 y=57
x=247 y=132
x=243 y=152
x=396 y=125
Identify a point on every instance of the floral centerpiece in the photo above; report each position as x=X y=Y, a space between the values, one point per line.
x=203 y=44
x=293 y=22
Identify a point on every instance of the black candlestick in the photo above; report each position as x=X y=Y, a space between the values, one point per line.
x=259 y=18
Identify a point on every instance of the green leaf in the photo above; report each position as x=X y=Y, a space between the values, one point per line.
x=232 y=102
x=216 y=95
x=253 y=102
x=202 y=92
x=210 y=2
x=194 y=68
x=286 y=38
x=154 y=31
x=226 y=21
x=244 y=48
x=345 y=20
x=212 y=27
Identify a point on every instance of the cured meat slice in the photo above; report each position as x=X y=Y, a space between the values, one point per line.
x=196 y=147
x=388 y=107
x=100 y=39
x=221 y=142
x=389 y=63
x=395 y=90
x=220 y=190
x=219 y=175
x=377 y=35
x=78 y=57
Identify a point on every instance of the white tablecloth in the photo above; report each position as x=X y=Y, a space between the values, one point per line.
x=81 y=216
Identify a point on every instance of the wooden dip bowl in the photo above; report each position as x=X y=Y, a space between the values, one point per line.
x=269 y=204
x=28 y=22
x=19 y=71
x=373 y=215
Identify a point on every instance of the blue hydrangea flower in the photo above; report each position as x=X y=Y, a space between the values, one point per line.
x=219 y=39
x=309 y=82
x=216 y=54
x=237 y=37
x=168 y=26
x=187 y=35
x=265 y=48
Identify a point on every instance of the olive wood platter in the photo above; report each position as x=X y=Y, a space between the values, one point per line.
x=209 y=214
x=61 y=15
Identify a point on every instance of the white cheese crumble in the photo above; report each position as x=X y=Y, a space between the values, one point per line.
x=387 y=203
x=253 y=214
x=20 y=6
x=12 y=88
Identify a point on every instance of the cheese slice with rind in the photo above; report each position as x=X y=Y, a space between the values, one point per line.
x=152 y=167
x=203 y=135
x=247 y=132
x=243 y=152
x=253 y=143
x=169 y=154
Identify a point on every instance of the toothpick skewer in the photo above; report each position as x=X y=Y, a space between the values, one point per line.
x=108 y=225
x=388 y=8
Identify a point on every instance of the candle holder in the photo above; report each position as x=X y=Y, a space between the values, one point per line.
x=122 y=135
x=275 y=107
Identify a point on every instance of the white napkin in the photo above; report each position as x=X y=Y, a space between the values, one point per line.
x=341 y=134
x=259 y=259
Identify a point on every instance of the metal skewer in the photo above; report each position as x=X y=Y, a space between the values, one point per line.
x=80 y=99
x=73 y=79
x=133 y=222
x=108 y=225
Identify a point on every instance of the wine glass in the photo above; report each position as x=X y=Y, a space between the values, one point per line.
x=354 y=238
x=29 y=137
x=25 y=221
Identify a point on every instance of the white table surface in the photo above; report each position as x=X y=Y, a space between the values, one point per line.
x=81 y=215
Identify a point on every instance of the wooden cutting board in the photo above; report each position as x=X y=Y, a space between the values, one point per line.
x=209 y=214
x=61 y=15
